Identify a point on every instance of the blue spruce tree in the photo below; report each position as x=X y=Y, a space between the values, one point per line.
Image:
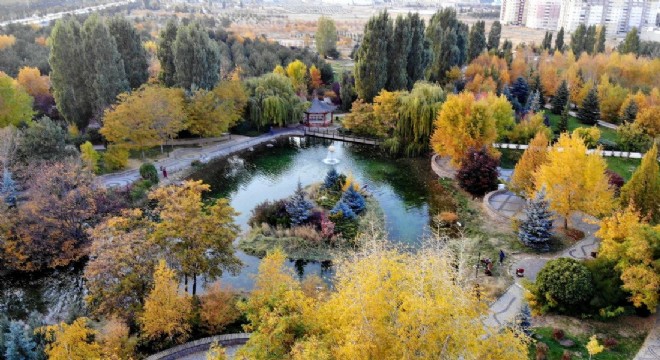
x=8 y=188
x=345 y=210
x=19 y=344
x=331 y=179
x=354 y=200
x=535 y=230
x=298 y=207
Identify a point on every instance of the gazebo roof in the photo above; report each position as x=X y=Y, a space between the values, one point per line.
x=320 y=107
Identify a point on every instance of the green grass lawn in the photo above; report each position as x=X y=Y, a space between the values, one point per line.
x=574 y=123
x=621 y=166
x=624 y=350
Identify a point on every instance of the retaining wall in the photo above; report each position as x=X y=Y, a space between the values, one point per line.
x=201 y=345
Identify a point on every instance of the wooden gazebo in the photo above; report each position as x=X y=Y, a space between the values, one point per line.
x=319 y=114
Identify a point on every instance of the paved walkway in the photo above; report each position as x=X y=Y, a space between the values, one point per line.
x=180 y=159
x=650 y=350
x=507 y=203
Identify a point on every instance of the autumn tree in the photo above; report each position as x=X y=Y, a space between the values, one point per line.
x=574 y=180
x=522 y=180
x=326 y=37
x=89 y=156
x=218 y=307
x=7 y=41
x=166 y=311
x=648 y=120
x=315 y=77
x=463 y=122
x=115 y=340
x=297 y=72
x=122 y=258
x=198 y=236
x=146 y=117
x=610 y=98
x=48 y=230
x=631 y=243
x=528 y=127
x=33 y=82
x=212 y=113
x=71 y=342
x=277 y=311
x=16 y=103
x=643 y=189
x=478 y=172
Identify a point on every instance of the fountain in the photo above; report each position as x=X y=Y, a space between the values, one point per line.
x=330 y=158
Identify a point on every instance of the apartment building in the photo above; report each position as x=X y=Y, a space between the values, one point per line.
x=512 y=12
x=619 y=16
x=543 y=14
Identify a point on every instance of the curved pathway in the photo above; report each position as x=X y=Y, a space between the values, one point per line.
x=180 y=159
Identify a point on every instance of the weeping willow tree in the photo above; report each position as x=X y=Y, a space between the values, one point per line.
x=417 y=111
x=273 y=101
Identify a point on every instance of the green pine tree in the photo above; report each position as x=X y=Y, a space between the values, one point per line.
x=131 y=50
x=559 y=41
x=562 y=126
x=643 y=189
x=399 y=48
x=372 y=63
x=630 y=113
x=67 y=78
x=507 y=51
x=418 y=54
x=166 y=55
x=477 y=40
x=589 y=112
x=631 y=43
x=196 y=58
x=104 y=67
x=494 y=36
x=600 y=40
x=560 y=99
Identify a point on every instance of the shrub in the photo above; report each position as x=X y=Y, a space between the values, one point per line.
x=354 y=200
x=332 y=180
x=541 y=351
x=139 y=190
x=608 y=291
x=610 y=342
x=633 y=138
x=590 y=135
x=478 y=173
x=615 y=180
x=535 y=230
x=526 y=129
x=271 y=213
x=558 y=334
x=115 y=158
x=343 y=209
x=218 y=308
x=298 y=207
x=327 y=227
x=563 y=284
x=148 y=172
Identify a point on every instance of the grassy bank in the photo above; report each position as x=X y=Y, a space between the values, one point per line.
x=625 y=349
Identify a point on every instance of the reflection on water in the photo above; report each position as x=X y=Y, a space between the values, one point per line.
x=402 y=188
x=405 y=189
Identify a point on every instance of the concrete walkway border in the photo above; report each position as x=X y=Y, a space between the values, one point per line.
x=493 y=213
x=200 y=345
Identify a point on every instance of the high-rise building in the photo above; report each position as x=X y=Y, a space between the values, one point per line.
x=543 y=14
x=619 y=16
x=512 y=12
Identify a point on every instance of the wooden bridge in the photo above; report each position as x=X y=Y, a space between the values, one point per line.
x=335 y=135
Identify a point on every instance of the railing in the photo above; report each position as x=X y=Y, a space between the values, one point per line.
x=336 y=135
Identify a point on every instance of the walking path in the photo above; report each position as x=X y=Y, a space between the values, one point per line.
x=180 y=159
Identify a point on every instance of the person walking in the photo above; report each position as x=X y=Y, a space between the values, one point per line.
x=502 y=256
x=164 y=172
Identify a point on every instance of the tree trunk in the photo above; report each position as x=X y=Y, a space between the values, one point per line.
x=566 y=223
x=185 y=282
x=194 y=292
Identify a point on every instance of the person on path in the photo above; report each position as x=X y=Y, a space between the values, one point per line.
x=164 y=172
x=502 y=256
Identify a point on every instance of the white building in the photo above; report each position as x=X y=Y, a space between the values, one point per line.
x=619 y=16
x=512 y=12
x=543 y=14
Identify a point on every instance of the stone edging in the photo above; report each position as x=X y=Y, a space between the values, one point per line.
x=200 y=345
x=494 y=214
x=439 y=170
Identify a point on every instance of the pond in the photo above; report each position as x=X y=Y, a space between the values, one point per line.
x=406 y=189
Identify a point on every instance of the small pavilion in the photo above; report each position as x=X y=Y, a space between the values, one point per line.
x=319 y=114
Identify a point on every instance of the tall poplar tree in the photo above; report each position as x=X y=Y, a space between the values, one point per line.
x=643 y=189
x=631 y=43
x=577 y=39
x=131 y=50
x=326 y=37
x=494 y=36
x=373 y=54
x=166 y=55
x=196 y=58
x=104 y=67
x=418 y=54
x=600 y=39
x=397 y=74
x=559 y=41
x=448 y=44
x=477 y=40
x=67 y=76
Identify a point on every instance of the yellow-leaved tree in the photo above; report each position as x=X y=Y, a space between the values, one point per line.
x=536 y=154
x=166 y=310
x=33 y=82
x=463 y=123
x=116 y=344
x=198 y=235
x=145 y=117
x=643 y=189
x=296 y=71
x=593 y=347
x=279 y=70
x=89 y=156
x=633 y=245
x=211 y=113
x=574 y=180
x=71 y=342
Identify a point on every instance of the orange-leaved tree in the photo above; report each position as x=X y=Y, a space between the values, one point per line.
x=536 y=154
